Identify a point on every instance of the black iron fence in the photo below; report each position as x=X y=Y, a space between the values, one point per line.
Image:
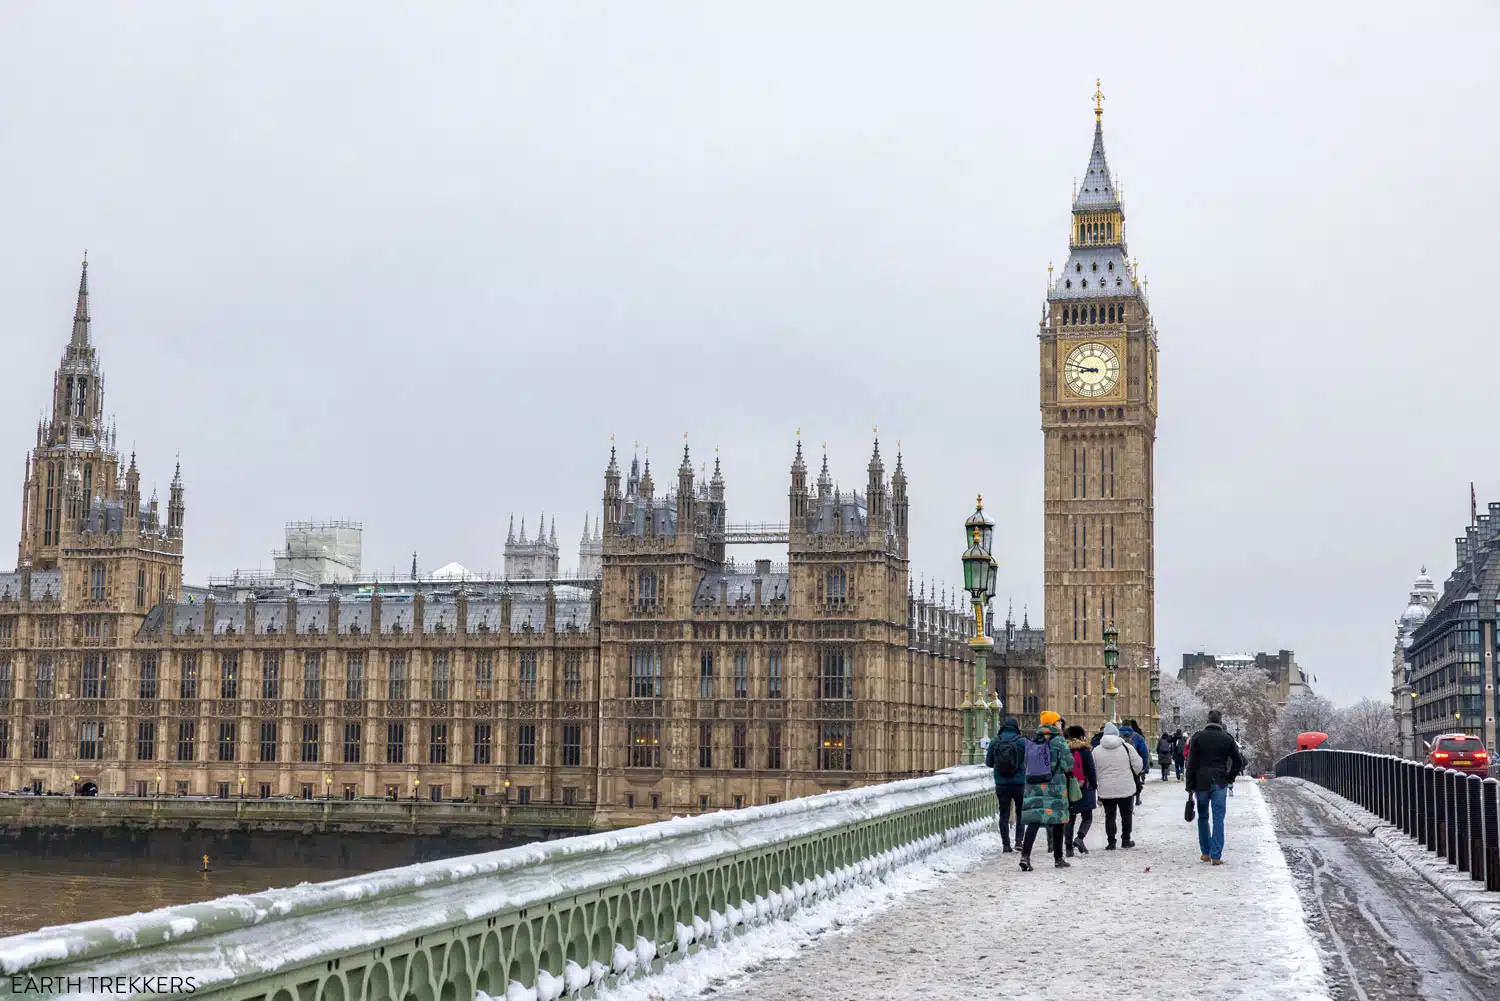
x=1453 y=815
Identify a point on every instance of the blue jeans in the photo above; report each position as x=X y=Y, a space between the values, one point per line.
x=1212 y=844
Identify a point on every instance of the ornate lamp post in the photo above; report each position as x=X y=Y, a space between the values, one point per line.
x=980 y=571
x=1111 y=660
x=1156 y=698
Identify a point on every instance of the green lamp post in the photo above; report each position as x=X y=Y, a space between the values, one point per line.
x=1111 y=661
x=981 y=713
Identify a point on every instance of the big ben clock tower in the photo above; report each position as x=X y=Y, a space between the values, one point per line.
x=1098 y=396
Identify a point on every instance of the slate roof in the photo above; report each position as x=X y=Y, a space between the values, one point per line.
x=1094 y=273
x=741 y=588
x=1097 y=192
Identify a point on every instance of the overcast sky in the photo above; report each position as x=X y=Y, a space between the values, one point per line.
x=413 y=264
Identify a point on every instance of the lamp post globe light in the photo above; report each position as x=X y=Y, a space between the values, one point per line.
x=1111 y=661
x=981 y=714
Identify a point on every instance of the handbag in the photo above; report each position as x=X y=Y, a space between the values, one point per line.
x=1187 y=813
x=1075 y=791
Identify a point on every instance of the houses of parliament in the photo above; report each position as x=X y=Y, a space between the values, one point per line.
x=661 y=677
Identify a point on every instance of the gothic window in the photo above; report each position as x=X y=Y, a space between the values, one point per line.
x=161 y=586
x=96 y=582
x=482 y=743
x=353 y=739
x=573 y=674
x=1094 y=266
x=705 y=745
x=645 y=673
x=646 y=589
x=7 y=680
x=773 y=674
x=837 y=751
x=1075 y=544
x=1085 y=471
x=270 y=675
x=1068 y=283
x=739 y=752
x=354 y=677
x=773 y=745
x=41 y=733
x=527 y=690
x=187 y=740
x=268 y=735
x=1111 y=312
x=396 y=679
x=1078 y=268
x=442 y=680
x=94 y=683
x=229 y=675
x=227 y=739
x=572 y=745
x=484 y=674
x=140 y=589
x=1111 y=263
x=145 y=741
x=706 y=674
x=187 y=667
x=526 y=744
x=312 y=739
x=1085 y=545
x=81 y=388
x=741 y=674
x=47 y=533
x=837 y=677
x=1093 y=314
x=91 y=740
x=395 y=743
x=312 y=676
x=838 y=583
x=643 y=744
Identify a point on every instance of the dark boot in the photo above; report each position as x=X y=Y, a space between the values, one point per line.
x=1083 y=849
x=1127 y=843
x=1110 y=847
x=1025 y=862
x=1062 y=863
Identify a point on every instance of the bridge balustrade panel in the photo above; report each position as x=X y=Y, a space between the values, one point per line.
x=561 y=916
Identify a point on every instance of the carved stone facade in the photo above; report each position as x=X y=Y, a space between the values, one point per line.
x=673 y=681
x=1098 y=400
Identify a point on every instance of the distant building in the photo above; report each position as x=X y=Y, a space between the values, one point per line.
x=323 y=552
x=535 y=558
x=1017 y=669
x=1452 y=650
x=1418 y=606
x=1285 y=680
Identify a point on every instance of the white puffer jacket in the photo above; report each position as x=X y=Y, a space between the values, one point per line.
x=1116 y=764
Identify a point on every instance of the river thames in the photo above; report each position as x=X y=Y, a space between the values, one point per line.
x=53 y=890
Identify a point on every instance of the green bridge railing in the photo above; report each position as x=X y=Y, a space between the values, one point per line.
x=561 y=917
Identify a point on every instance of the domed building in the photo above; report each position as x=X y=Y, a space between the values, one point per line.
x=1424 y=595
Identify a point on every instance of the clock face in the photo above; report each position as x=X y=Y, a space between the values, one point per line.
x=1092 y=370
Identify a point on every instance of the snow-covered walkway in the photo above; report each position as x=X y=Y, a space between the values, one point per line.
x=1151 y=922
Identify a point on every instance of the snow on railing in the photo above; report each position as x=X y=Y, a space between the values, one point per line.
x=558 y=915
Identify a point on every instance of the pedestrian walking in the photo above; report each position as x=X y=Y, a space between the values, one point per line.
x=1213 y=763
x=1116 y=765
x=1006 y=755
x=1049 y=764
x=1179 y=752
x=1164 y=749
x=1130 y=732
x=1081 y=802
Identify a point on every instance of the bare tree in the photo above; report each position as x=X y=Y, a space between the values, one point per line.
x=1241 y=696
x=1181 y=706
x=1304 y=713
x=1367 y=725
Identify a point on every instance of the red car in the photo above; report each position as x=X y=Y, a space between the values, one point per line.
x=1460 y=752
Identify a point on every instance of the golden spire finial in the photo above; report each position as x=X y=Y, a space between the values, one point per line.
x=1098 y=100
x=979 y=501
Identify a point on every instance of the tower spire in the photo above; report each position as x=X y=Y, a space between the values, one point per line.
x=81 y=313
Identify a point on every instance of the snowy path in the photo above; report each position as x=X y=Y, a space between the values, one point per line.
x=1151 y=922
x=1386 y=934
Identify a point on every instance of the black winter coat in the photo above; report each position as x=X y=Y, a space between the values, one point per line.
x=1213 y=758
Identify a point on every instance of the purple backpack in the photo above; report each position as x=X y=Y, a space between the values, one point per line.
x=1038 y=760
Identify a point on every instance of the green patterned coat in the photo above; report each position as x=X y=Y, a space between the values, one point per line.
x=1047 y=803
